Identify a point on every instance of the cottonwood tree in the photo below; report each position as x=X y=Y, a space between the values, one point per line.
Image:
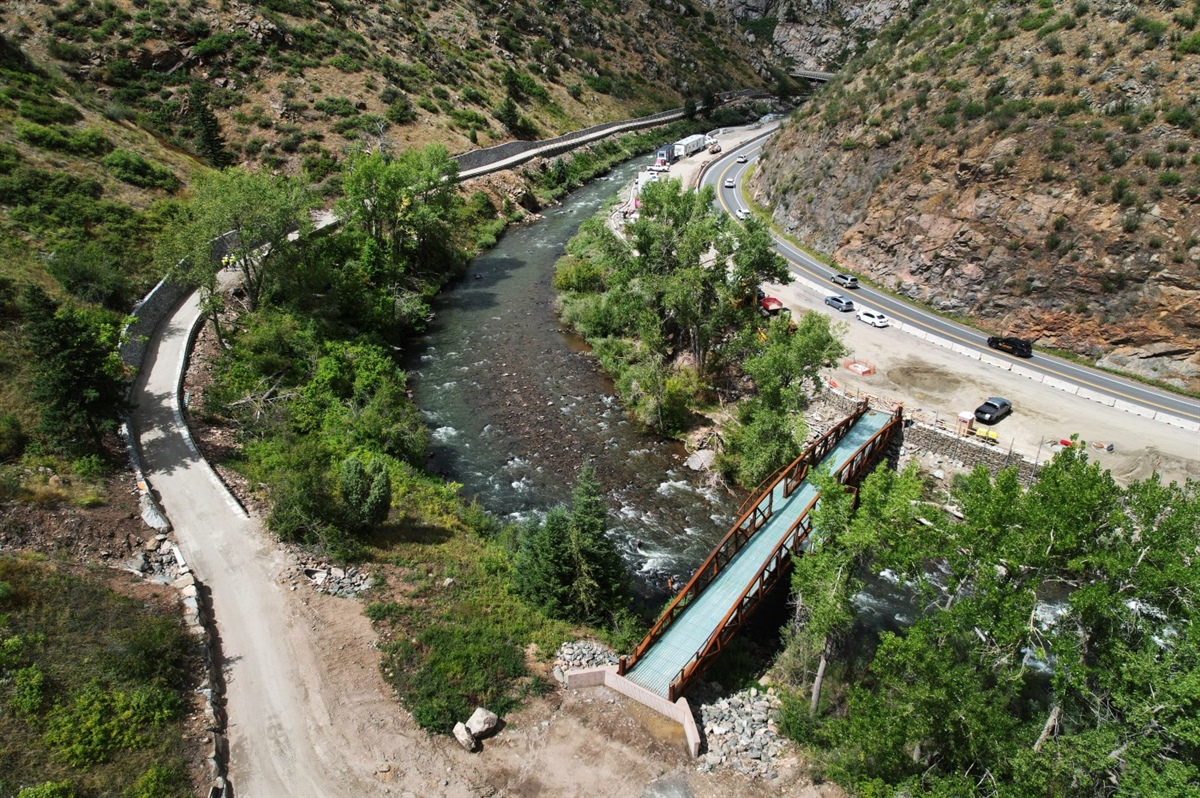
x=1053 y=648
x=248 y=216
x=399 y=213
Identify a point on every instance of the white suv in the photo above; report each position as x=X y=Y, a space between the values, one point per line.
x=873 y=317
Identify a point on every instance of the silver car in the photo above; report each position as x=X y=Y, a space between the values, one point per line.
x=840 y=303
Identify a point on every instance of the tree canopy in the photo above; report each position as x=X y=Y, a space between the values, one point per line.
x=1054 y=646
x=667 y=307
x=248 y=216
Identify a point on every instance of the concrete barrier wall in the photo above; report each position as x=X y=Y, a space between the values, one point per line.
x=1137 y=410
x=1061 y=385
x=680 y=711
x=995 y=361
x=513 y=153
x=1036 y=376
x=1176 y=421
x=1096 y=396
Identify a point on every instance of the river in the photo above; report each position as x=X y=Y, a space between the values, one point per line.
x=516 y=404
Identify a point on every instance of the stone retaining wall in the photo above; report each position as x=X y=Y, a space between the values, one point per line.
x=199 y=619
x=146 y=316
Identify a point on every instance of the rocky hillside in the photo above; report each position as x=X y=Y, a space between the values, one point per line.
x=290 y=84
x=817 y=35
x=1034 y=167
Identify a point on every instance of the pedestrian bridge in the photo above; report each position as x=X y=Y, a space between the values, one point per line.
x=753 y=558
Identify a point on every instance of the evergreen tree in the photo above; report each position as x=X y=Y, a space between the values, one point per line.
x=543 y=562
x=78 y=379
x=206 y=129
x=568 y=565
x=600 y=587
x=366 y=489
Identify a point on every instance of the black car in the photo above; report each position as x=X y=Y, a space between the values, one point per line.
x=993 y=410
x=1014 y=346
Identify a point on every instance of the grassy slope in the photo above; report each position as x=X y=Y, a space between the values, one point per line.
x=92 y=682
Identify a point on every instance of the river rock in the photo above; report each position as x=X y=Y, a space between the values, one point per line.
x=482 y=722
x=464 y=737
x=701 y=460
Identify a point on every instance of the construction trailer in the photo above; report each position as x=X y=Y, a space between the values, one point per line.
x=689 y=145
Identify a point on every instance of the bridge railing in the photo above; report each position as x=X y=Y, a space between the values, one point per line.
x=752 y=515
x=778 y=563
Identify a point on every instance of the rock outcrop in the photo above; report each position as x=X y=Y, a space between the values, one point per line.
x=990 y=182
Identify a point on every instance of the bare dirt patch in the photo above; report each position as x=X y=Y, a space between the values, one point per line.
x=925 y=380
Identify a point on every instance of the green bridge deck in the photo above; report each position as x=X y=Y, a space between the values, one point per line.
x=662 y=662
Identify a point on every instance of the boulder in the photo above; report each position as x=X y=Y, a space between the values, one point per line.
x=464 y=737
x=153 y=516
x=482 y=722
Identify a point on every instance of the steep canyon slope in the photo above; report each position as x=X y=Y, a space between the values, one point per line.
x=1034 y=167
x=291 y=84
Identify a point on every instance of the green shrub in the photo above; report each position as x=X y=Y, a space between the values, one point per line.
x=366 y=492
x=75 y=142
x=12 y=437
x=161 y=781
x=46 y=111
x=401 y=111
x=96 y=722
x=215 y=45
x=344 y=63
x=453 y=668
x=335 y=106
x=132 y=168
x=48 y=789
x=27 y=694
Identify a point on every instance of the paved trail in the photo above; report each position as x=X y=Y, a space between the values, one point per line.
x=285 y=737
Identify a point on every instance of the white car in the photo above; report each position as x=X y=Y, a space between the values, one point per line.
x=741 y=214
x=729 y=182
x=741 y=159
x=873 y=317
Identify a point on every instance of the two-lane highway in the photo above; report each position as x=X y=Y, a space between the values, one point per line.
x=802 y=264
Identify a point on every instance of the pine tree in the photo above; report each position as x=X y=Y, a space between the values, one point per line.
x=568 y=565
x=543 y=563
x=78 y=380
x=600 y=587
x=206 y=128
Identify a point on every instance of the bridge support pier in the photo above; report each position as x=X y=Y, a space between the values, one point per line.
x=679 y=710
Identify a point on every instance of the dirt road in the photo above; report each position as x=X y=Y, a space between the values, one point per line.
x=937 y=382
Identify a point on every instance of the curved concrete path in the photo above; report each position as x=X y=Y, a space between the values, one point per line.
x=284 y=739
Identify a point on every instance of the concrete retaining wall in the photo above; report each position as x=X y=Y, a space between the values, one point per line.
x=514 y=153
x=680 y=711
